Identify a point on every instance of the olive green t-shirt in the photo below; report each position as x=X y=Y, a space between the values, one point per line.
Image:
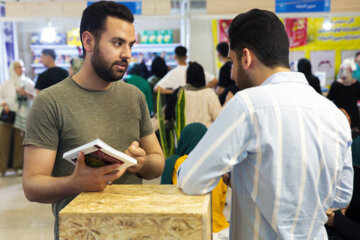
x=66 y=116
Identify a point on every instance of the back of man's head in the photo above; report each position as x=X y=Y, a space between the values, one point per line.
x=94 y=17
x=49 y=52
x=223 y=49
x=180 y=51
x=262 y=32
x=195 y=75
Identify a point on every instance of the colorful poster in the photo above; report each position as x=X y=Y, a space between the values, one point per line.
x=293 y=6
x=223 y=30
x=342 y=39
x=296 y=29
x=324 y=61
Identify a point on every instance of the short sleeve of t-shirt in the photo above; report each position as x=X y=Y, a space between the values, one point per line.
x=146 y=127
x=225 y=75
x=42 y=123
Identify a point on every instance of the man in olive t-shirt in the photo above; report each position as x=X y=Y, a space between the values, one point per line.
x=90 y=105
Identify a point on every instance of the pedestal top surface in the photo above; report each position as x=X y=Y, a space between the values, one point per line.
x=138 y=199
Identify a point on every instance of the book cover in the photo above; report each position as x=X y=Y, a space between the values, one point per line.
x=98 y=153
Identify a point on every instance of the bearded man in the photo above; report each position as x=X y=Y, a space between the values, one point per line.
x=91 y=104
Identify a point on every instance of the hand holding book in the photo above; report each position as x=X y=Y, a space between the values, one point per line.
x=139 y=154
x=90 y=179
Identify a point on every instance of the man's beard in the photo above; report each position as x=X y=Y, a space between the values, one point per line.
x=243 y=80
x=104 y=69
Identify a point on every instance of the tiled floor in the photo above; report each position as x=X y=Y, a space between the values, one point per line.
x=23 y=220
x=19 y=218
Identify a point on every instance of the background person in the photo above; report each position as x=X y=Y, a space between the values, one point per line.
x=134 y=78
x=16 y=96
x=189 y=138
x=201 y=103
x=176 y=77
x=53 y=74
x=304 y=66
x=345 y=92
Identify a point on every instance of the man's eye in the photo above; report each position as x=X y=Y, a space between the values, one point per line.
x=117 y=44
x=131 y=46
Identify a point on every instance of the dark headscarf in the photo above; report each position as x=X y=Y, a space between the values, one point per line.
x=158 y=67
x=189 y=138
x=195 y=75
x=304 y=66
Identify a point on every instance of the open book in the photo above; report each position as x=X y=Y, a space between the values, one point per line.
x=98 y=154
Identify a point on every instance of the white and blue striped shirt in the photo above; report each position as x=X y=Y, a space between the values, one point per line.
x=288 y=150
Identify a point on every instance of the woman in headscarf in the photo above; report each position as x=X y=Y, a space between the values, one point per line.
x=201 y=103
x=304 y=66
x=345 y=92
x=189 y=138
x=15 y=100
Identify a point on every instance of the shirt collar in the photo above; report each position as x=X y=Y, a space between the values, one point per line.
x=286 y=77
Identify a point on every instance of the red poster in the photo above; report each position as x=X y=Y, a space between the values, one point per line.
x=223 y=30
x=296 y=29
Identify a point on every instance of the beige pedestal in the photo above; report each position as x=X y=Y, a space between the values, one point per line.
x=137 y=212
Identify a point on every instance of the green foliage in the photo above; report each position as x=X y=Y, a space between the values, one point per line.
x=180 y=121
x=165 y=130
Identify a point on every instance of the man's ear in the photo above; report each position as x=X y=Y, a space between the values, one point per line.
x=88 y=41
x=246 y=59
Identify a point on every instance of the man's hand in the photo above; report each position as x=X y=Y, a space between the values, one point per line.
x=139 y=154
x=22 y=92
x=90 y=179
x=226 y=179
x=331 y=215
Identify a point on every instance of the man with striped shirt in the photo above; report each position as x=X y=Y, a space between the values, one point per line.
x=287 y=147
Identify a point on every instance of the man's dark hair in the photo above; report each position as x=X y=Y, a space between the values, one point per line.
x=262 y=32
x=94 y=17
x=195 y=75
x=159 y=67
x=180 y=51
x=223 y=49
x=357 y=54
x=49 y=52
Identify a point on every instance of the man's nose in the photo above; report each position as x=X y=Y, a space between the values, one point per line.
x=126 y=52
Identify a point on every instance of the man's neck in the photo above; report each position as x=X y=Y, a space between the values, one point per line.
x=264 y=73
x=182 y=63
x=88 y=79
x=224 y=59
x=51 y=64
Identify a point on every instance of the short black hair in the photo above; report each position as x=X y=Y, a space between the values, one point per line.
x=223 y=49
x=262 y=32
x=357 y=54
x=49 y=52
x=195 y=75
x=180 y=51
x=159 y=67
x=94 y=17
